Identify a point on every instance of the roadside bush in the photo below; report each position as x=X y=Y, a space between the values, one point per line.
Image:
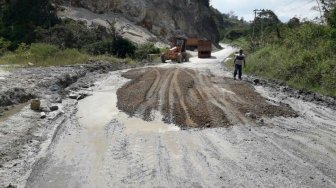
x=22 y=51
x=143 y=50
x=4 y=45
x=40 y=50
x=304 y=59
x=119 y=47
x=123 y=48
x=235 y=34
x=99 y=48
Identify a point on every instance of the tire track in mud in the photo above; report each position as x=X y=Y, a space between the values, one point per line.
x=287 y=152
x=190 y=99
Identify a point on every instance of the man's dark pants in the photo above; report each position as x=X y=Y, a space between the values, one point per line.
x=238 y=69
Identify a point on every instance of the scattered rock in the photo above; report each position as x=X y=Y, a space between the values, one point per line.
x=82 y=96
x=55 y=87
x=302 y=94
x=67 y=79
x=35 y=104
x=261 y=121
x=251 y=115
x=45 y=106
x=85 y=86
x=54 y=108
x=43 y=115
x=14 y=96
x=45 y=109
x=79 y=96
x=284 y=88
x=256 y=81
x=73 y=96
x=11 y=186
x=56 y=99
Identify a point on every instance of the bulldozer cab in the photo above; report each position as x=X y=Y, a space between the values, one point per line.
x=177 y=51
x=179 y=42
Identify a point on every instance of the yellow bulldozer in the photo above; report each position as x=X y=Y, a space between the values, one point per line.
x=177 y=52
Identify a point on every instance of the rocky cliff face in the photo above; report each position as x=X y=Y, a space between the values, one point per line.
x=164 y=18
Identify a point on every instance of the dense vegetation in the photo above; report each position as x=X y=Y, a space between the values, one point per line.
x=19 y=19
x=300 y=53
x=230 y=27
x=30 y=26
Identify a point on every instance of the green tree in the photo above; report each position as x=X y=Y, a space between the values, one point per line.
x=332 y=18
x=4 y=45
x=326 y=7
x=265 y=24
x=294 y=22
x=19 y=19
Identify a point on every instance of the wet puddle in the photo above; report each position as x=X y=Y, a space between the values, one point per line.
x=99 y=109
x=96 y=111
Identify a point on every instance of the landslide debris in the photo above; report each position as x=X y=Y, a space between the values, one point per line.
x=192 y=100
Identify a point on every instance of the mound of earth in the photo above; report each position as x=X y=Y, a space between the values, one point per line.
x=192 y=100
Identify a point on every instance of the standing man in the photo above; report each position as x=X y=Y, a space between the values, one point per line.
x=239 y=61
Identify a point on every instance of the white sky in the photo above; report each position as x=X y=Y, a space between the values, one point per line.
x=284 y=9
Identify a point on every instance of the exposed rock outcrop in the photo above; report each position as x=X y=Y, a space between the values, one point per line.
x=163 y=18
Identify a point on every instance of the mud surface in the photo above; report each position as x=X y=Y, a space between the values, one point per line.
x=100 y=146
x=261 y=137
x=191 y=99
x=22 y=131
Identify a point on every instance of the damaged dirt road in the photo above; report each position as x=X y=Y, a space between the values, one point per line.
x=190 y=99
x=202 y=129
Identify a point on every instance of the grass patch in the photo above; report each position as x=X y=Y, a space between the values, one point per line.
x=50 y=55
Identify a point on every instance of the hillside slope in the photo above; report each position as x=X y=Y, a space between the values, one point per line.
x=163 y=18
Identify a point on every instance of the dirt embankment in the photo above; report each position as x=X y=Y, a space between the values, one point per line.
x=190 y=99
